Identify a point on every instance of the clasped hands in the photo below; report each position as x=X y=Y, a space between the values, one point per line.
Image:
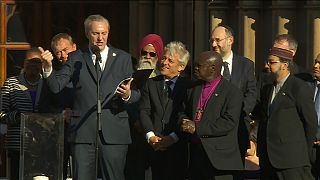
x=188 y=126
x=161 y=143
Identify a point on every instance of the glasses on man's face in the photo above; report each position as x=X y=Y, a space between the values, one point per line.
x=151 y=54
x=272 y=62
x=217 y=40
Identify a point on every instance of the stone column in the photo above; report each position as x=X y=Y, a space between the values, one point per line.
x=249 y=38
x=316 y=37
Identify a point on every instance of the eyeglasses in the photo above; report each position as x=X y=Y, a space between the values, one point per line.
x=272 y=62
x=151 y=54
x=217 y=40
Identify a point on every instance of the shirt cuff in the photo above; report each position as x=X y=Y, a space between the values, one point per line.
x=47 y=73
x=126 y=99
x=174 y=136
x=149 y=135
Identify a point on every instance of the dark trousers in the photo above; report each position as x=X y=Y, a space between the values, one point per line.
x=201 y=168
x=316 y=162
x=298 y=173
x=138 y=158
x=170 y=164
x=112 y=159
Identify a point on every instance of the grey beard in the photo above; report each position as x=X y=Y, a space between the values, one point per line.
x=145 y=64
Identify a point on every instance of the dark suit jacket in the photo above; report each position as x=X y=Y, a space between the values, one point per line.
x=287 y=131
x=218 y=128
x=155 y=113
x=242 y=76
x=80 y=70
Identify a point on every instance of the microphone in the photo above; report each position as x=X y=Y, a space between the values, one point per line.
x=96 y=51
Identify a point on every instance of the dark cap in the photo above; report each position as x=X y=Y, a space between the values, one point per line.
x=281 y=53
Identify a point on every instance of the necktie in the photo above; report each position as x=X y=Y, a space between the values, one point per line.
x=226 y=71
x=317 y=105
x=168 y=88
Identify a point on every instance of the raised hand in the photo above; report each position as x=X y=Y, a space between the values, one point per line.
x=47 y=58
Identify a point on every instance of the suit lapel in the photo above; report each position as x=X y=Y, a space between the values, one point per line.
x=112 y=55
x=282 y=93
x=160 y=90
x=89 y=62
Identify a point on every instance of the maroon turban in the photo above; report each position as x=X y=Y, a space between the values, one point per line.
x=155 y=40
x=281 y=53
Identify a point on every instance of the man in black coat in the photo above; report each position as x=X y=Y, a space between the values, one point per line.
x=287 y=130
x=315 y=159
x=211 y=116
x=161 y=99
x=240 y=72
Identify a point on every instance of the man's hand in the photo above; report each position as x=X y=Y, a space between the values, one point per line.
x=166 y=142
x=124 y=90
x=317 y=143
x=154 y=142
x=47 y=58
x=188 y=126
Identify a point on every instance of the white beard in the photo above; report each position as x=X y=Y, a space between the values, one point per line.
x=147 y=63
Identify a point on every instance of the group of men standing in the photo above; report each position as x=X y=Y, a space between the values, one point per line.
x=195 y=129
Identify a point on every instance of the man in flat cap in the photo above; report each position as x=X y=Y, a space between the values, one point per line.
x=288 y=127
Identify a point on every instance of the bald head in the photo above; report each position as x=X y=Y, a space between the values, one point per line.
x=208 y=65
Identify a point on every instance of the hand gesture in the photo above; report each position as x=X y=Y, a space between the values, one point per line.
x=47 y=58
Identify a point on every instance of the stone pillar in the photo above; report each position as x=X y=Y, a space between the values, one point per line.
x=249 y=38
x=316 y=37
x=281 y=23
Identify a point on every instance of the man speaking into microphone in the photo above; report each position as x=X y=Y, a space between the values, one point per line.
x=80 y=69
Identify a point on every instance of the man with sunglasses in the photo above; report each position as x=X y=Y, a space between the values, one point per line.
x=150 y=52
x=287 y=128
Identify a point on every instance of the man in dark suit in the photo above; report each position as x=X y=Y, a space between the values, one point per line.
x=150 y=52
x=287 y=131
x=240 y=72
x=212 y=117
x=113 y=129
x=315 y=159
x=160 y=101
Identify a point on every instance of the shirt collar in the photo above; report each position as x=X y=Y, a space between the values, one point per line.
x=281 y=82
x=174 y=80
x=229 y=59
